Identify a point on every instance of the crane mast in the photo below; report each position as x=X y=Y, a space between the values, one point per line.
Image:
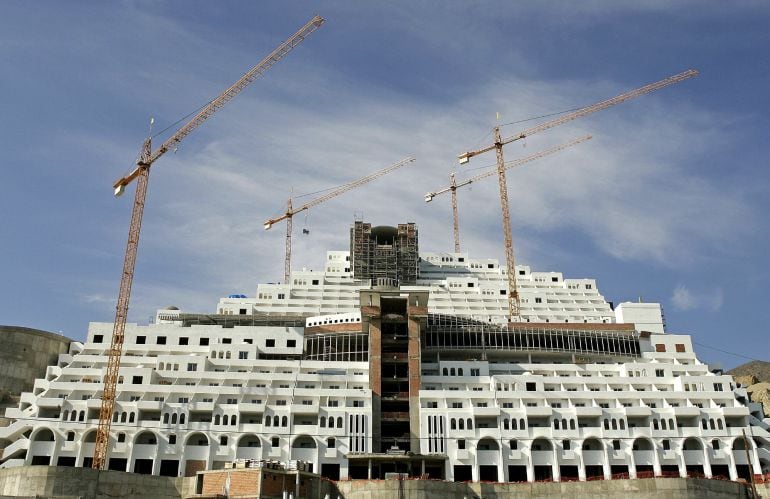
x=290 y=211
x=141 y=173
x=497 y=146
x=453 y=185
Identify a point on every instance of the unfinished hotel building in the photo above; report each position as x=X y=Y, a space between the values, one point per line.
x=386 y=362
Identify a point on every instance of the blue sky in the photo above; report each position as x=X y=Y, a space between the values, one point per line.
x=668 y=202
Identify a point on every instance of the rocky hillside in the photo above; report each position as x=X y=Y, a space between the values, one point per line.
x=755 y=376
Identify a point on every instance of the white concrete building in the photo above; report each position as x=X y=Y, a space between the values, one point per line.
x=425 y=377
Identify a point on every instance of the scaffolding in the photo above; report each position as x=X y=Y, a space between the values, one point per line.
x=384 y=254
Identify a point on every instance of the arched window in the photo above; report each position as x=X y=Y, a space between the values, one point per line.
x=115 y=416
x=173 y=418
x=217 y=419
x=614 y=424
x=470 y=424
x=606 y=424
x=323 y=422
x=555 y=424
x=571 y=424
x=704 y=424
x=564 y=424
x=284 y=421
x=339 y=422
x=233 y=420
x=331 y=421
x=64 y=416
x=181 y=418
x=123 y=417
x=459 y=371
x=131 y=417
x=505 y=424
x=446 y=371
x=622 y=424
x=165 y=418
x=452 y=424
x=522 y=424
x=461 y=424
x=452 y=371
x=267 y=421
x=82 y=416
x=513 y=424
x=275 y=421
x=711 y=424
x=719 y=424
x=655 y=424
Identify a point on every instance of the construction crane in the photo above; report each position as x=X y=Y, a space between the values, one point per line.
x=146 y=158
x=499 y=142
x=453 y=185
x=291 y=211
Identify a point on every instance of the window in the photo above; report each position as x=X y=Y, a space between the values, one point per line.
x=461 y=444
x=223 y=440
x=358 y=403
x=243 y=355
x=242 y=311
x=141 y=340
x=680 y=347
x=192 y=366
x=184 y=400
x=315 y=282
x=204 y=342
x=666 y=445
x=660 y=347
x=531 y=387
x=718 y=387
x=291 y=343
x=589 y=286
x=565 y=444
x=136 y=380
x=475 y=372
x=121 y=437
x=457 y=405
x=184 y=340
x=283 y=402
x=161 y=340
x=70 y=436
x=172 y=439
x=274 y=442
x=232 y=401
x=616 y=444
x=538 y=300
x=98 y=338
x=659 y=373
x=270 y=342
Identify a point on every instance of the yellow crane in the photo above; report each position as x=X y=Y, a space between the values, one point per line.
x=453 y=185
x=291 y=211
x=499 y=142
x=141 y=173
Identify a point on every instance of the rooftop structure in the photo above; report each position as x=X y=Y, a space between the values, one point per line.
x=374 y=374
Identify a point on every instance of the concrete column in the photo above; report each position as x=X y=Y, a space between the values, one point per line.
x=581 y=465
x=555 y=470
x=706 y=461
x=606 y=464
x=656 y=460
x=732 y=470
x=369 y=471
x=530 y=467
x=632 y=465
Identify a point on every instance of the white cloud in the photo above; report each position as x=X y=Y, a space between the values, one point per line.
x=684 y=299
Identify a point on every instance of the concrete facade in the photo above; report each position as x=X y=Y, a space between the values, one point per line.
x=26 y=354
x=50 y=482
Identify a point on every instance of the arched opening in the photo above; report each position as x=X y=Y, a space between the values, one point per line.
x=739 y=444
x=461 y=423
x=233 y=420
x=571 y=424
x=197 y=440
x=90 y=437
x=487 y=444
x=173 y=418
x=217 y=419
x=339 y=422
x=541 y=444
x=250 y=441
x=452 y=424
x=592 y=444
x=692 y=444
x=44 y=435
x=285 y=421
x=181 y=418
x=146 y=438
x=642 y=444
x=303 y=442
x=470 y=424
